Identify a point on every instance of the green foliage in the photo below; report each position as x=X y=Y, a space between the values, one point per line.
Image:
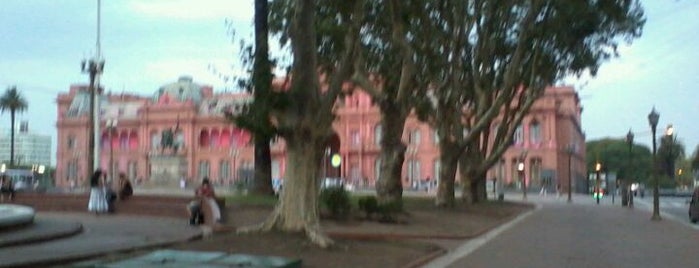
x=614 y=156
x=337 y=201
x=369 y=205
x=389 y=210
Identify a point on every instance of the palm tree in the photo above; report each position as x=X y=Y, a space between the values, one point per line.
x=14 y=102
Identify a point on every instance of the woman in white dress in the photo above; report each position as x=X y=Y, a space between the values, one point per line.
x=98 y=199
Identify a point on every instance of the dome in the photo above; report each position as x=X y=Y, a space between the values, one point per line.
x=182 y=90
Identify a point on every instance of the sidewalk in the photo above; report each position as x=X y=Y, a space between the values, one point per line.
x=581 y=234
x=101 y=234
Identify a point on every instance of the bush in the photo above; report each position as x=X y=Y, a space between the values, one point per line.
x=388 y=211
x=337 y=201
x=369 y=205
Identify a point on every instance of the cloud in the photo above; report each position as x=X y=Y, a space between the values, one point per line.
x=241 y=10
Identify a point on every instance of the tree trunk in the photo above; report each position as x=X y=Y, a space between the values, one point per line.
x=297 y=210
x=389 y=186
x=262 y=79
x=262 y=183
x=12 y=138
x=474 y=188
x=447 y=174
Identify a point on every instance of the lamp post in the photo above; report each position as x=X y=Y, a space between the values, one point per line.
x=598 y=194
x=627 y=195
x=520 y=170
x=570 y=150
x=653 y=121
x=669 y=131
x=111 y=128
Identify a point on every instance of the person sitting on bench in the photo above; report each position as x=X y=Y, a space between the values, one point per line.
x=204 y=193
x=6 y=188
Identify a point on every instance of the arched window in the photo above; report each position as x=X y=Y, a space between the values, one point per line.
x=124 y=140
x=226 y=138
x=215 y=138
x=105 y=140
x=535 y=132
x=133 y=140
x=204 y=138
x=519 y=135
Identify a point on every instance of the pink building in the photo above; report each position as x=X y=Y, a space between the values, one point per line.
x=204 y=143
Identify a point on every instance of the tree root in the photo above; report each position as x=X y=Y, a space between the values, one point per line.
x=318 y=237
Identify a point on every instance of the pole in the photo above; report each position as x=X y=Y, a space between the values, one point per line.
x=597 y=186
x=653 y=120
x=111 y=151
x=570 y=175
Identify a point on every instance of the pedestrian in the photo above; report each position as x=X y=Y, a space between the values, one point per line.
x=6 y=188
x=98 y=199
x=125 y=187
x=558 y=190
x=205 y=193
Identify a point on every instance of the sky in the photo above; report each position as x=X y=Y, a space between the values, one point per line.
x=147 y=44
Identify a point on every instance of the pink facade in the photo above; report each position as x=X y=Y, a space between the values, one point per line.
x=211 y=146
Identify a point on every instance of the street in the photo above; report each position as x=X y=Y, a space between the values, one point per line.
x=584 y=234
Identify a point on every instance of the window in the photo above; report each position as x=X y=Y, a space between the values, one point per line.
x=519 y=135
x=413 y=172
x=154 y=140
x=354 y=135
x=378 y=132
x=132 y=169
x=535 y=172
x=71 y=142
x=203 y=169
x=535 y=132
x=437 y=169
x=123 y=140
x=224 y=170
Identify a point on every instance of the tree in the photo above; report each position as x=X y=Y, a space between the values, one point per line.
x=255 y=115
x=613 y=154
x=385 y=69
x=669 y=151
x=12 y=101
x=498 y=57
x=304 y=116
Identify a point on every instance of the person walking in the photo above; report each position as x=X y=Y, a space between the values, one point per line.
x=98 y=199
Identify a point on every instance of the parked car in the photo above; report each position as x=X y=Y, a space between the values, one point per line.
x=694 y=206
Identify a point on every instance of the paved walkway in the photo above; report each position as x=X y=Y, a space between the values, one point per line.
x=580 y=234
x=100 y=235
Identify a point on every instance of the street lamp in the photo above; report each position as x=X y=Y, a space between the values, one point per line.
x=520 y=170
x=669 y=131
x=570 y=150
x=111 y=128
x=94 y=68
x=653 y=121
x=598 y=194
x=627 y=195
